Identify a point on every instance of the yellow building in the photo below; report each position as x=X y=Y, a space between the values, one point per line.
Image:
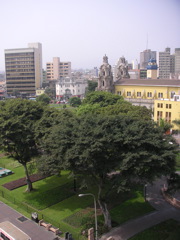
x=157 y=94
x=40 y=91
x=147 y=88
x=167 y=109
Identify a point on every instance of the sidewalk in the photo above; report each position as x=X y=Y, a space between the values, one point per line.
x=29 y=227
x=163 y=212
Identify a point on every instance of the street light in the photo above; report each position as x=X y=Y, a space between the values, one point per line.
x=90 y=194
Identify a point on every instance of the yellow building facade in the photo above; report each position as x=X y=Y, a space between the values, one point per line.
x=40 y=91
x=169 y=110
x=157 y=94
x=147 y=88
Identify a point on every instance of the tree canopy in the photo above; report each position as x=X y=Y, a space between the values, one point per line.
x=17 y=130
x=91 y=86
x=43 y=98
x=96 y=146
x=102 y=98
x=75 y=101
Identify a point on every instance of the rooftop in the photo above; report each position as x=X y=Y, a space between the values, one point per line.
x=149 y=82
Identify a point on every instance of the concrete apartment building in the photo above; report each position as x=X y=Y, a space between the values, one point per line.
x=177 y=61
x=56 y=69
x=163 y=60
x=24 y=69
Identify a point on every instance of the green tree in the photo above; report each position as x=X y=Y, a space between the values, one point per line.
x=51 y=92
x=164 y=125
x=75 y=101
x=92 y=85
x=111 y=151
x=43 y=98
x=17 y=131
x=102 y=98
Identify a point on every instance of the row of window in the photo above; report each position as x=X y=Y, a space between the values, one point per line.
x=20 y=70
x=19 y=78
x=160 y=105
x=140 y=94
x=167 y=116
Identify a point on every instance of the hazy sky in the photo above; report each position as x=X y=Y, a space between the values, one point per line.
x=82 y=31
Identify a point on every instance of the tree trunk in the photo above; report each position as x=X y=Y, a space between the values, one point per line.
x=29 y=183
x=105 y=211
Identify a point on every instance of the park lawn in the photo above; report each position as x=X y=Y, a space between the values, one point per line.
x=67 y=210
x=168 y=230
x=46 y=192
x=131 y=208
x=68 y=207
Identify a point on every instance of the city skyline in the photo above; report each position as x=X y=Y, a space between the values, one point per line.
x=82 y=32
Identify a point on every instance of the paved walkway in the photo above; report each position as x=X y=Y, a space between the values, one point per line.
x=163 y=212
x=31 y=228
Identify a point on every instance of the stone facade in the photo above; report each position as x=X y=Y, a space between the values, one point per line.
x=105 y=78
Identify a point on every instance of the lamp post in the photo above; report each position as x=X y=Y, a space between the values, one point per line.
x=90 y=194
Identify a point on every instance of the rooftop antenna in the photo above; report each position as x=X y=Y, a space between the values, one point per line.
x=147 y=42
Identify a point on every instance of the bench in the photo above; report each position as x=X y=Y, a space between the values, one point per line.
x=44 y=224
x=55 y=230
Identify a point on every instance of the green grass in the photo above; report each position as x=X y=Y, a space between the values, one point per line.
x=132 y=208
x=67 y=210
x=169 y=230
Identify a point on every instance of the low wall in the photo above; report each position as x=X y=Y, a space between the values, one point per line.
x=170 y=199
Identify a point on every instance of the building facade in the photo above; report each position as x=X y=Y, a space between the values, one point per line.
x=164 y=64
x=152 y=69
x=145 y=56
x=24 y=69
x=143 y=92
x=177 y=60
x=167 y=109
x=56 y=69
x=70 y=87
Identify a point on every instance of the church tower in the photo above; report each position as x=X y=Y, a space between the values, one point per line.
x=105 y=78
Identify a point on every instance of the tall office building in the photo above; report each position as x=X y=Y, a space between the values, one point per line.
x=145 y=56
x=24 y=69
x=177 y=60
x=56 y=69
x=172 y=63
x=164 y=64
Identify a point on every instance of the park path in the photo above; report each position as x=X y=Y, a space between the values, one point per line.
x=163 y=212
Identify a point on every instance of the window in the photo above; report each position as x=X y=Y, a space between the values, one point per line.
x=138 y=94
x=160 y=105
x=128 y=94
x=149 y=94
x=118 y=92
x=168 y=117
x=168 y=106
x=160 y=95
x=159 y=115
